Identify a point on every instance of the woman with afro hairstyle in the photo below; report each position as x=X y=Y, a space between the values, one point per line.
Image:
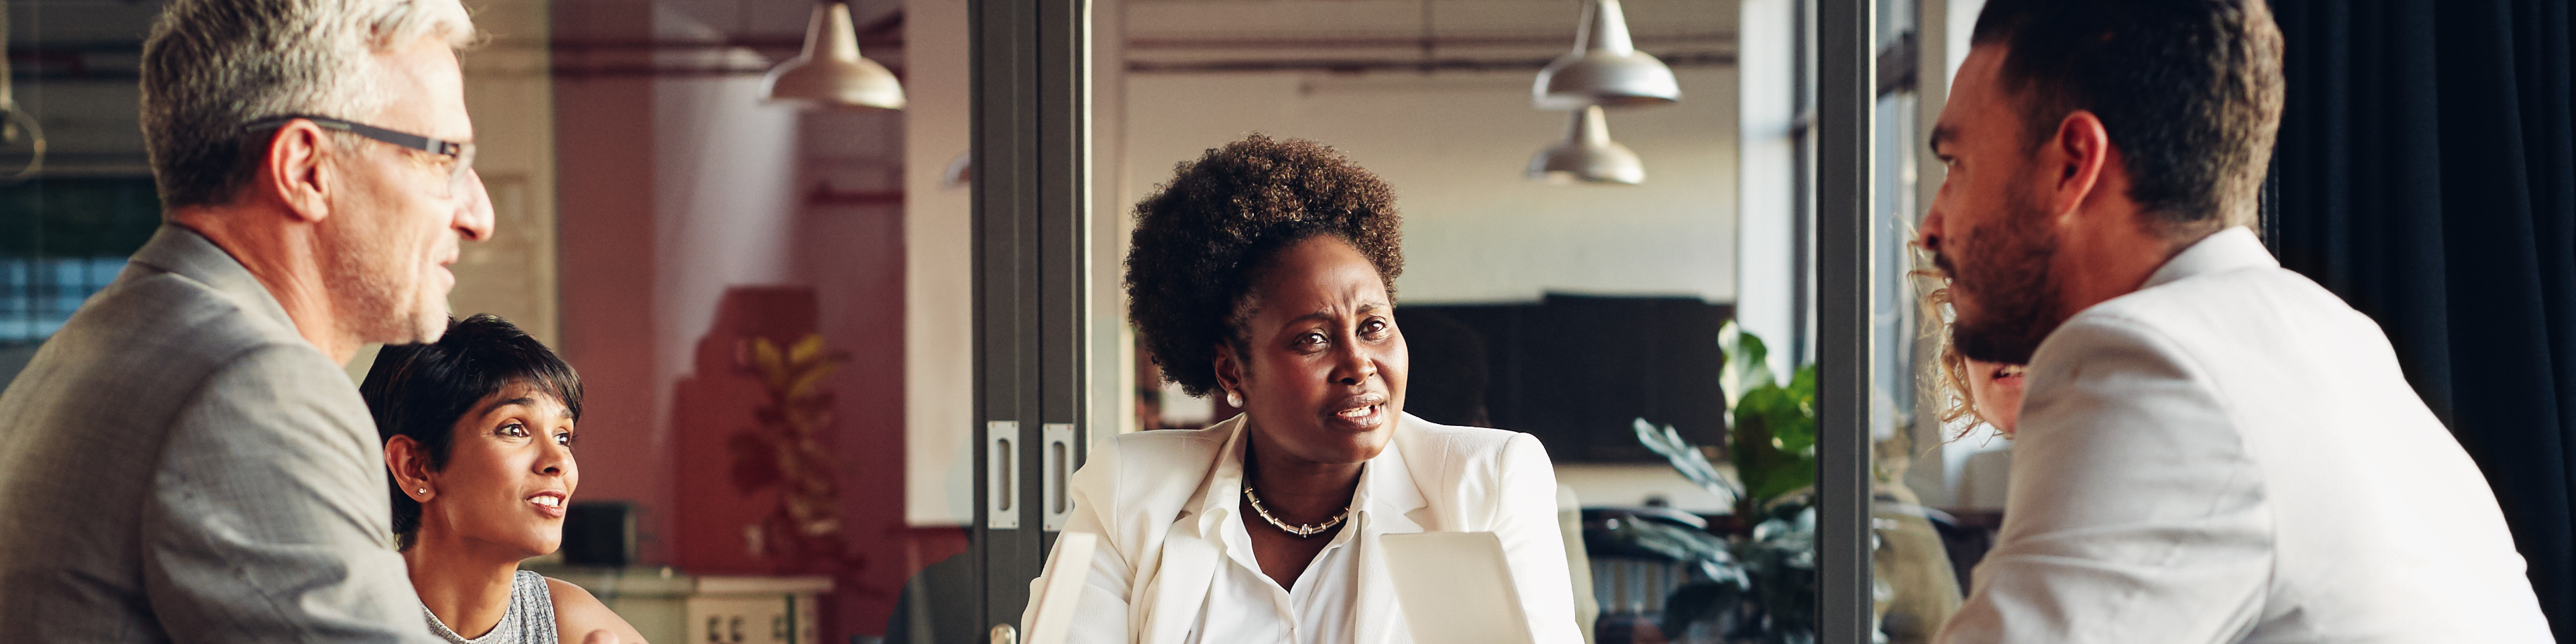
x=1264 y=273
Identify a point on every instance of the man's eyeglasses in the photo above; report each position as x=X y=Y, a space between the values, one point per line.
x=461 y=153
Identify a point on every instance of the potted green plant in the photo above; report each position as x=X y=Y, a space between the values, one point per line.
x=1755 y=581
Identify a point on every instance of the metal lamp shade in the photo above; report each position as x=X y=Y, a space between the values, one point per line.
x=1605 y=68
x=830 y=72
x=1588 y=155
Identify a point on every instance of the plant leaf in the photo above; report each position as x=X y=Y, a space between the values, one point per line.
x=773 y=368
x=1706 y=601
x=1687 y=459
x=1748 y=365
x=1773 y=444
x=806 y=349
x=803 y=384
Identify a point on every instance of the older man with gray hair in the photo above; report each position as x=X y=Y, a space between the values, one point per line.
x=185 y=460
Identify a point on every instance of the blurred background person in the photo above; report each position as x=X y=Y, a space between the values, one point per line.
x=1966 y=389
x=1264 y=273
x=478 y=433
x=184 y=459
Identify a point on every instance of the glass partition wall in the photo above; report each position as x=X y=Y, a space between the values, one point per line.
x=75 y=194
x=1572 y=309
x=1713 y=335
x=1937 y=471
x=1712 y=353
x=1661 y=335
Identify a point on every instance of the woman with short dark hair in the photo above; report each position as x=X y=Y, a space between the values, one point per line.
x=1264 y=272
x=478 y=432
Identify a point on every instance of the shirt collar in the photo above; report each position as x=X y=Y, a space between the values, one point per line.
x=2233 y=248
x=1386 y=487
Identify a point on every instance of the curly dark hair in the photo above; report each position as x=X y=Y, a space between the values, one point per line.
x=1202 y=239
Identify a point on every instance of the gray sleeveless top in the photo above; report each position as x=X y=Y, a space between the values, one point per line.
x=529 y=620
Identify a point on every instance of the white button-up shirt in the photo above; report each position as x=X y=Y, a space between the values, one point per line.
x=1246 y=606
x=1175 y=561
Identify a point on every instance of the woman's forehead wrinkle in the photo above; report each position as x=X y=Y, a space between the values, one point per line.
x=1354 y=302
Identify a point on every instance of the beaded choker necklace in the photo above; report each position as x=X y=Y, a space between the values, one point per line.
x=1301 y=530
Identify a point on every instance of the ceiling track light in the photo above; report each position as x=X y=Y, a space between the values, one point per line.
x=1605 y=68
x=830 y=72
x=1588 y=155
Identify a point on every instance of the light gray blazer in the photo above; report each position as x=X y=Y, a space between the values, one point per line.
x=178 y=465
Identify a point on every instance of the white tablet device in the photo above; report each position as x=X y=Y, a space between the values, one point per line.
x=1455 y=588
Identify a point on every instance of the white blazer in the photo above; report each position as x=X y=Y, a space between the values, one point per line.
x=1145 y=494
x=2230 y=454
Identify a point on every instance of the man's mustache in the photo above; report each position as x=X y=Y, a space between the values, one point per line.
x=1941 y=262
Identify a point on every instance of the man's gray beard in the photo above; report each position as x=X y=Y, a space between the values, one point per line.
x=369 y=301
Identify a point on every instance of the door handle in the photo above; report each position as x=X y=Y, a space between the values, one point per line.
x=1001 y=469
x=1056 y=467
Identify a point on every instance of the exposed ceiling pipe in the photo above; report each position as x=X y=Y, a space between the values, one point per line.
x=1708 y=59
x=1336 y=53
x=1551 y=40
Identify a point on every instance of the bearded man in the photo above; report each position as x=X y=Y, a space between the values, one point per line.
x=2211 y=448
x=185 y=460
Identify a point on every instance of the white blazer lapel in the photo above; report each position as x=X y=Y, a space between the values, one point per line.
x=1188 y=565
x=1190 y=558
x=1392 y=502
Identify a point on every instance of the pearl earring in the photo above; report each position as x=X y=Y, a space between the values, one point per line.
x=424 y=491
x=1233 y=398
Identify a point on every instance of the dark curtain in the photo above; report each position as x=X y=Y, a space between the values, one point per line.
x=2424 y=173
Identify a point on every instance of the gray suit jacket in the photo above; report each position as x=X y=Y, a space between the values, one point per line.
x=177 y=464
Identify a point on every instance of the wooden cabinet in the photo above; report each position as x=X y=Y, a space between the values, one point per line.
x=671 y=608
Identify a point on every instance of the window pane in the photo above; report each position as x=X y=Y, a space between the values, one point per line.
x=66 y=229
x=1571 y=310
x=1934 y=513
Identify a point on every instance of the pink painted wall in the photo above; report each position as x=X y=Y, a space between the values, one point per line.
x=673 y=193
x=605 y=228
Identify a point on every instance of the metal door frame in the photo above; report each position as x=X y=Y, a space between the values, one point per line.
x=1846 y=94
x=1030 y=61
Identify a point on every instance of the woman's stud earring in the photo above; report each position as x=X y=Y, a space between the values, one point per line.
x=1234 y=399
x=424 y=491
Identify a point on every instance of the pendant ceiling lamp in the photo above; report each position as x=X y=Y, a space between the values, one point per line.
x=1588 y=154
x=1605 y=68
x=830 y=73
